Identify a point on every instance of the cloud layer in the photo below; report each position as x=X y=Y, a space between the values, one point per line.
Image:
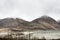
x=29 y=9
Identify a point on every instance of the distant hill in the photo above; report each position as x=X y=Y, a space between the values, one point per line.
x=46 y=22
x=42 y=23
x=12 y=22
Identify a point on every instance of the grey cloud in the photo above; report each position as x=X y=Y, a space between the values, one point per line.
x=29 y=9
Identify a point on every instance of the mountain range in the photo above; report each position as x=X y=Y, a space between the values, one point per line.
x=41 y=23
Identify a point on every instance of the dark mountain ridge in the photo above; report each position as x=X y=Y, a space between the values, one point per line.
x=46 y=22
x=42 y=23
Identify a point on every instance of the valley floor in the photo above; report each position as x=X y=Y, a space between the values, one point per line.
x=26 y=39
x=42 y=35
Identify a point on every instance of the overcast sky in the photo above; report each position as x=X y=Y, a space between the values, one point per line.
x=29 y=9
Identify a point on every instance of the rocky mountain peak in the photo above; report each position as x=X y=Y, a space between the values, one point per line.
x=45 y=19
x=44 y=22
